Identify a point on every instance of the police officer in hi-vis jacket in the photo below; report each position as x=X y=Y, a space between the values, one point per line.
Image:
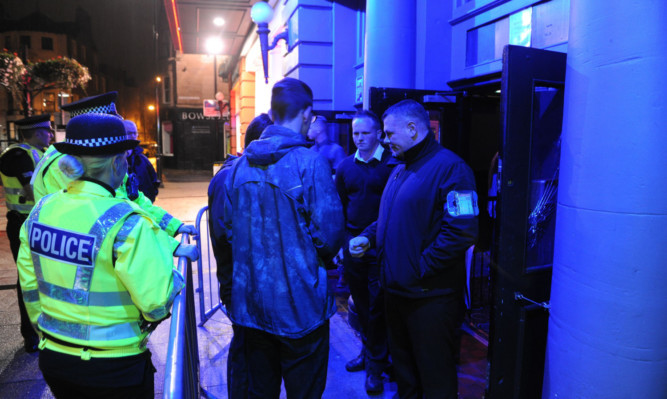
x=48 y=178
x=95 y=270
x=17 y=164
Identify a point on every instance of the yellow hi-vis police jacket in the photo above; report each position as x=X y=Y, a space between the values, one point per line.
x=48 y=178
x=92 y=267
x=14 y=188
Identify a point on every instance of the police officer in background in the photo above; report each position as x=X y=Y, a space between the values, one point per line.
x=17 y=164
x=140 y=171
x=95 y=273
x=48 y=178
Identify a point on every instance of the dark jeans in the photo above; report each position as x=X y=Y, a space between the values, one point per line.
x=237 y=367
x=363 y=278
x=14 y=222
x=300 y=362
x=125 y=377
x=422 y=341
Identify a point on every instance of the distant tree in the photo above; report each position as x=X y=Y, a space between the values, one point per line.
x=25 y=83
x=56 y=73
x=12 y=72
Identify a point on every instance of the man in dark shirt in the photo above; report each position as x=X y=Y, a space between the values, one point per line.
x=139 y=169
x=17 y=164
x=427 y=221
x=360 y=180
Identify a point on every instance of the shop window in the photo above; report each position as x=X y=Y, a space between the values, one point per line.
x=485 y=43
x=49 y=102
x=25 y=41
x=361 y=34
x=47 y=43
x=167 y=90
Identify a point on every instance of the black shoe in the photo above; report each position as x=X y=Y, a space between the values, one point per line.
x=356 y=364
x=374 y=384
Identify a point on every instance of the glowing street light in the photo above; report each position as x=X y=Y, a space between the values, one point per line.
x=151 y=107
x=213 y=45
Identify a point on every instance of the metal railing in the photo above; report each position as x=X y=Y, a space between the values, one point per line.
x=206 y=270
x=181 y=379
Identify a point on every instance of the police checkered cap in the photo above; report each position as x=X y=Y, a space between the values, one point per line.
x=34 y=122
x=95 y=134
x=100 y=104
x=101 y=109
x=97 y=142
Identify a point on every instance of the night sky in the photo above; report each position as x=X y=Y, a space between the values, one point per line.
x=122 y=29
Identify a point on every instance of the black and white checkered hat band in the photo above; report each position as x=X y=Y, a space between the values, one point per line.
x=45 y=125
x=98 y=142
x=100 y=109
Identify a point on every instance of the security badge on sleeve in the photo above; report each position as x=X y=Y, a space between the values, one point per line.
x=62 y=245
x=462 y=204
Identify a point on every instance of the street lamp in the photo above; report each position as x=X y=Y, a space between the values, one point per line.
x=261 y=13
x=158 y=156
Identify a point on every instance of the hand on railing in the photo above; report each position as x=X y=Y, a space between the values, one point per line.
x=189 y=251
x=189 y=229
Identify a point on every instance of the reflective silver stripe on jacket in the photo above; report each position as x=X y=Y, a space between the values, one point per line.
x=100 y=229
x=41 y=162
x=31 y=296
x=34 y=216
x=124 y=232
x=22 y=208
x=165 y=221
x=88 y=332
x=78 y=297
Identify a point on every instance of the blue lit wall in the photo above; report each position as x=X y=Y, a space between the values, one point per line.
x=607 y=328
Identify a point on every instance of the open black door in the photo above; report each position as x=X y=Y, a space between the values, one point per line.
x=531 y=111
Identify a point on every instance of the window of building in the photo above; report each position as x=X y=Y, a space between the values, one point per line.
x=71 y=49
x=8 y=42
x=485 y=43
x=25 y=41
x=544 y=25
x=361 y=35
x=167 y=89
x=49 y=102
x=47 y=43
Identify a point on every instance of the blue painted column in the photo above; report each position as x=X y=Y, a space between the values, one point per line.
x=608 y=322
x=389 y=58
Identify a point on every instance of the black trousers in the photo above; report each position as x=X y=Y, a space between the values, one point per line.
x=422 y=340
x=363 y=278
x=109 y=378
x=14 y=222
x=301 y=363
x=237 y=366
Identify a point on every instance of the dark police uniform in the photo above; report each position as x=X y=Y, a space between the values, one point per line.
x=17 y=164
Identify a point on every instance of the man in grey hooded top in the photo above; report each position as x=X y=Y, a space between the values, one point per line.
x=283 y=219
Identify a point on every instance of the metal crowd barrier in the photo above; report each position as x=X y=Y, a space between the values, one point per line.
x=181 y=380
x=206 y=270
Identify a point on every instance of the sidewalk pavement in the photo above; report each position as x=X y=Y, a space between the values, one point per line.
x=183 y=195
